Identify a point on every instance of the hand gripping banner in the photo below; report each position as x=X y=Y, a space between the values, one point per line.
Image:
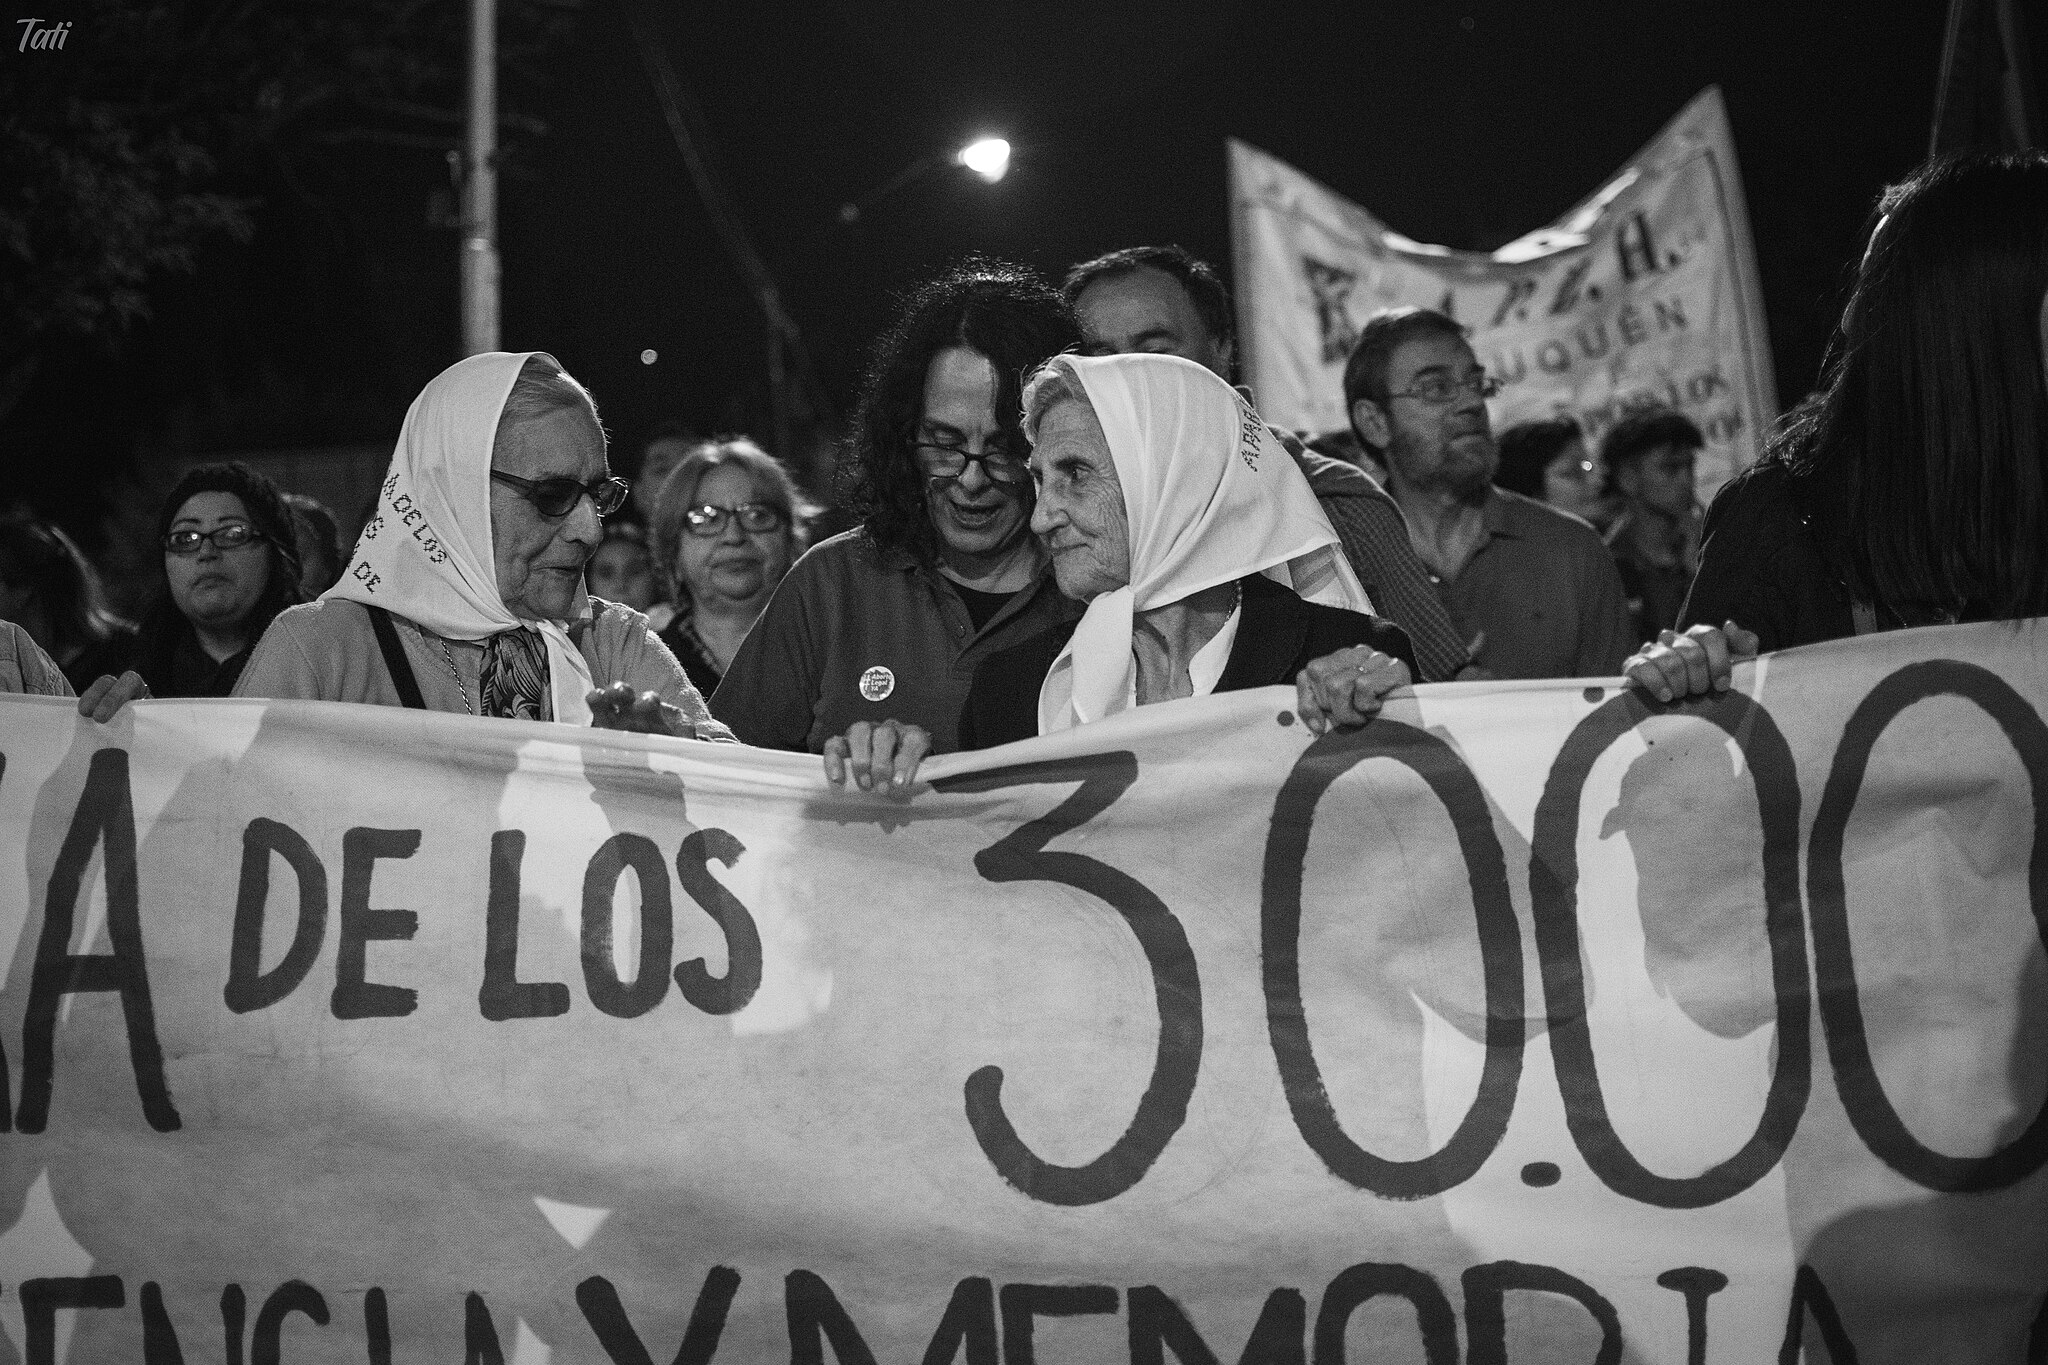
x=1644 y=295
x=1530 y=1022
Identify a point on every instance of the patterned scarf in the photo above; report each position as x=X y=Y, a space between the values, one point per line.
x=514 y=679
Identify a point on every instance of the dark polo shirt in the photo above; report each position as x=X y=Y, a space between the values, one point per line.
x=1375 y=538
x=1543 y=589
x=855 y=634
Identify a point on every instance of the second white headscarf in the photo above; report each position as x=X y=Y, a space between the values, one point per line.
x=1211 y=496
x=427 y=553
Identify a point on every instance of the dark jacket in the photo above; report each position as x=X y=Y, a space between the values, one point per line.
x=1764 y=565
x=166 y=652
x=1278 y=634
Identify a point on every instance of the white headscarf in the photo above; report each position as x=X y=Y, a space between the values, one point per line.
x=427 y=554
x=1211 y=496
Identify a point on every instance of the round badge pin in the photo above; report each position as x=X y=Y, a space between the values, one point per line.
x=877 y=683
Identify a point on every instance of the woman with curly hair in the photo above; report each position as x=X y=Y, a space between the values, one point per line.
x=878 y=630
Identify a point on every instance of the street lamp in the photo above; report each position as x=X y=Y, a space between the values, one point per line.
x=987 y=157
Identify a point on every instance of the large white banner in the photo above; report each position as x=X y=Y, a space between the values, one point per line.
x=1644 y=295
x=1527 y=1023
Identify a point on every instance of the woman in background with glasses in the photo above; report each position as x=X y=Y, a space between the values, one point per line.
x=466 y=594
x=230 y=566
x=728 y=523
x=878 y=631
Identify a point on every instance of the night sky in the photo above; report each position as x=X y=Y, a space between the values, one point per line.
x=1461 y=124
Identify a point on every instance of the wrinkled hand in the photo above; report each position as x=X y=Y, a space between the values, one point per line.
x=615 y=706
x=1347 y=688
x=108 y=694
x=1692 y=664
x=884 y=756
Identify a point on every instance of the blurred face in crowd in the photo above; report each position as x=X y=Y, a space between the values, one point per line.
x=1441 y=446
x=979 y=518
x=1147 y=310
x=731 y=564
x=1080 y=512
x=660 y=461
x=623 y=571
x=1571 y=482
x=1660 y=479
x=540 y=559
x=216 y=589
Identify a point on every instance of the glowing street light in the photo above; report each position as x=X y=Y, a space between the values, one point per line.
x=989 y=158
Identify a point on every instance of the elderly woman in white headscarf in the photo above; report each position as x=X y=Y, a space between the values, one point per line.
x=466 y=593
x=1207 y=565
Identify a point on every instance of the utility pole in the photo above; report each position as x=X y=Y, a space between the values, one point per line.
x=480 y=185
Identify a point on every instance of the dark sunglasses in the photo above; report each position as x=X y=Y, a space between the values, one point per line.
x=558 y=497
x=232 y=536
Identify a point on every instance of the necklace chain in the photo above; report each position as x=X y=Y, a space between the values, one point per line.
x=462 y=690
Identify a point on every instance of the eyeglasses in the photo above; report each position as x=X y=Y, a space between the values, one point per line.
x=753 y=517
x=558 y=497
x=950 y=462
x=232 y=536
x=1441 y=388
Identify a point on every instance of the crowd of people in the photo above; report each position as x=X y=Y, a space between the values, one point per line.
x=1064 y=506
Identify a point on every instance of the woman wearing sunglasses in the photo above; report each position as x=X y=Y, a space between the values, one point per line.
x=465 y=594
x=727 y=525
x=230 y=566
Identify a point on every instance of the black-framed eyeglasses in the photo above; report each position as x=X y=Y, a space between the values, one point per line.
x=754 y=518
x=1442 y=388
x=558 y=497
x=232 y=536
x=950 y=462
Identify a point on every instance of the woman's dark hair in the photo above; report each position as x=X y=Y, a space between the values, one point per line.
x=1001 y=312
x=1925 y=450
x=164 y=623
x=38 y=556
x=1526 y=450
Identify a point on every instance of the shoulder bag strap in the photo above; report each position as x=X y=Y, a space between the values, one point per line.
x=395 y=661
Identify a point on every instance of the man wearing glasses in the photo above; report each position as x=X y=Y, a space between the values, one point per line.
x=870 y=643
x=1534 y=590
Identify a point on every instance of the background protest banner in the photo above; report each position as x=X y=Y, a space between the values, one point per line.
x=1526 y=1023
x=1644 y=295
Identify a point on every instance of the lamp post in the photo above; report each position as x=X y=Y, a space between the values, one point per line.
x=479 y=263
x=987 y=157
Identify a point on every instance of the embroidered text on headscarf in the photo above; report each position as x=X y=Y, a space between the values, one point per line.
x=409 y=516
x=441 y=573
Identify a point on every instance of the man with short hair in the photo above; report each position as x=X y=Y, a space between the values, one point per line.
x=1534 y=587
x=1161 y=299
x=1656 y=541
